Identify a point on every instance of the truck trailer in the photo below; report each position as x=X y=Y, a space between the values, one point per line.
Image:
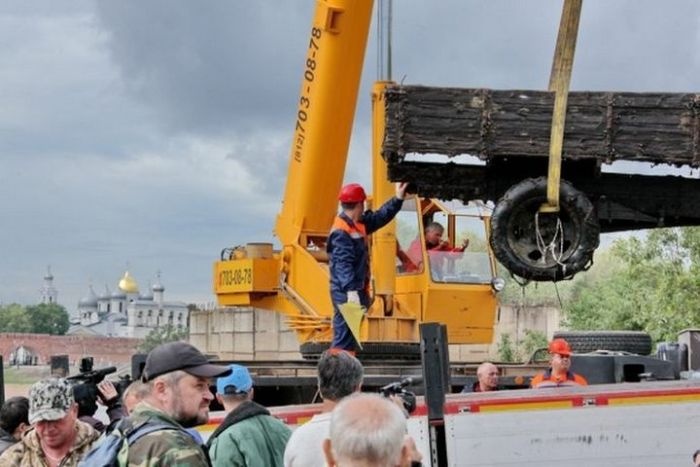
x=637 y=411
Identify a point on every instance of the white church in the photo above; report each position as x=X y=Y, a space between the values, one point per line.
x=127 y=312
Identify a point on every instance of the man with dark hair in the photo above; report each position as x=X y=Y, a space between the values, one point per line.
x=696 y=458
x=249 y=436
x=14 y=421
x=339 y=375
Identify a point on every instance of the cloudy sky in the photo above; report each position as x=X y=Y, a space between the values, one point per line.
x=149 y=135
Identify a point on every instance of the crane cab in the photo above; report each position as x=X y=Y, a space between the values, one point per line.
x=444 y=282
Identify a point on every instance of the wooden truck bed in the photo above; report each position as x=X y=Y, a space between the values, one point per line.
x=508 y=130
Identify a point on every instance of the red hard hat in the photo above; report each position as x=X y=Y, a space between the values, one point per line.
x=352 y=193
x=559 y=346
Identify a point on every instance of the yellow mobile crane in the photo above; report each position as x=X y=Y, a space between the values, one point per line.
x=456 y=289
x=544 y=228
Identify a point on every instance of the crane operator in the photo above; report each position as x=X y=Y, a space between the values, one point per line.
x=348 y=254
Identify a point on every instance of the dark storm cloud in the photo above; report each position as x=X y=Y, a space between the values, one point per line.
x=209 y=67
x=60 y=96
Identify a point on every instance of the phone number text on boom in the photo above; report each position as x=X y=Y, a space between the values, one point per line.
x=304 y=108
x=236 y=277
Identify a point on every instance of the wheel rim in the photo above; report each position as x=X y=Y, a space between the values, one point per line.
x=522 y=240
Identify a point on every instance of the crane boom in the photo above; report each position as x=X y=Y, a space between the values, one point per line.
x=454 y=289
x=325 y=113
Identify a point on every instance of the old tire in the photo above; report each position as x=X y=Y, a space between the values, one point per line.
x=637 y=342
x=513 y=231
x=370 y=351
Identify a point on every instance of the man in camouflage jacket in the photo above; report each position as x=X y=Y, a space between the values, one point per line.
x=177 y=375
x=57 y=437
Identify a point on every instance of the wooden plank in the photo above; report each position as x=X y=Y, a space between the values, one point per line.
x=605 y=126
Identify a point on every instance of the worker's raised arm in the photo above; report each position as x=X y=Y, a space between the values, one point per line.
x=401 y=190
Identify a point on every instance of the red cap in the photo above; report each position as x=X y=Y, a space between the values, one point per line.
x=352 y=193
x=560 y=346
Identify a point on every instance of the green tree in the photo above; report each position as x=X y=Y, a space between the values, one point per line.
x=506 y=349
x=161 y=335
x=509 y=351
x=14 y=318
x=48 y=318
x=654 y=286
x=532 y=341
x=523 y=294
x=641 y=283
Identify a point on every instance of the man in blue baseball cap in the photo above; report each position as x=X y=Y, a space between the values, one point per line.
x=249 y=435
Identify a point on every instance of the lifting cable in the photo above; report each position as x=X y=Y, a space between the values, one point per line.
x=555 y=248
x=559 y=80
x=561 y=304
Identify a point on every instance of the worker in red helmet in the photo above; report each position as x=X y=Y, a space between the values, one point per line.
x=348 y=254
x=558 y=374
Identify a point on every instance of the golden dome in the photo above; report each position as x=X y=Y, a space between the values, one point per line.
x=127 y=284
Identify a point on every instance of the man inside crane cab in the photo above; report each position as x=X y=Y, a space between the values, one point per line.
x=348 y=254
x=439 y=249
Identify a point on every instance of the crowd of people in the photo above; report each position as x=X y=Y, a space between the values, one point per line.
x=49 y=428
x=154 y=420
x=157 y=416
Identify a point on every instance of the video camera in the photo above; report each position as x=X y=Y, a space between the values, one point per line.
x=398 y=388
x=85 y=391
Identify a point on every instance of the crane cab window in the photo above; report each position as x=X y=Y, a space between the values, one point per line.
x=459 y=253
x=464 y=259
x=407 y=232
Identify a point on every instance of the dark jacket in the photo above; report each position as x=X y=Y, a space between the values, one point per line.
x=115 y=412
x=349 y=255
x=6 y=440
x=249 y=436
x=476 y=387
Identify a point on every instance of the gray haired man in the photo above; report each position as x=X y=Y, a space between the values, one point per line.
x=368 y=430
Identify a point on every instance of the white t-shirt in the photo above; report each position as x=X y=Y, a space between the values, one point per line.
x=305 y=446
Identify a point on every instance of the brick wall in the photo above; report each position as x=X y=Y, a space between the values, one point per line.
x=106 y=351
